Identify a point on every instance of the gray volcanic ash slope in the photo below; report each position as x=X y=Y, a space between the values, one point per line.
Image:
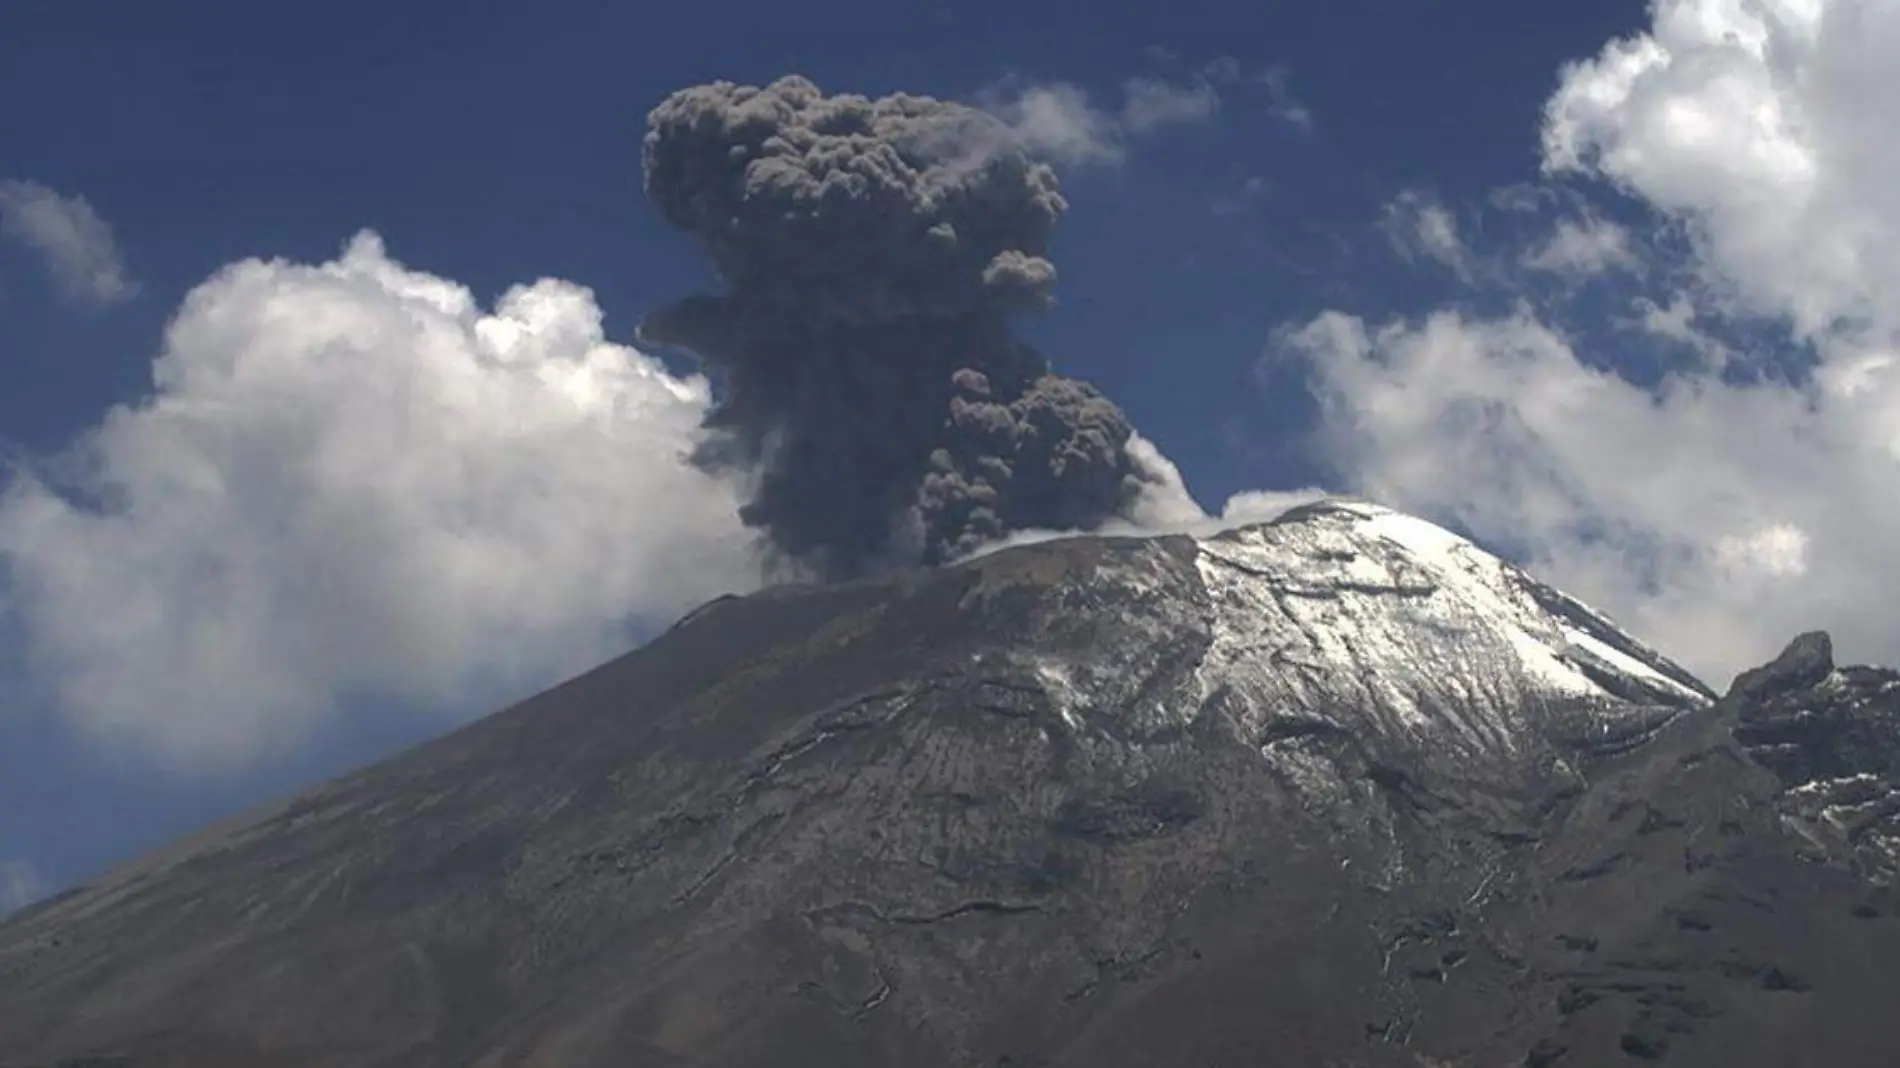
x=1340 y=789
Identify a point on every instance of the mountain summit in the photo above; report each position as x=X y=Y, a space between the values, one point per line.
x=1336 y=789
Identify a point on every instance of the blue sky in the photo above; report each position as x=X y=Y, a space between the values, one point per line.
x=1625 y=320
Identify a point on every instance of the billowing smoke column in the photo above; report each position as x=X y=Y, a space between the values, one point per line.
x=873 y=253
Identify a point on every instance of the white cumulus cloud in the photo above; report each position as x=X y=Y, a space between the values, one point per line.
x=352 y=479
x=1766 y=128
x=1716 y=514
x=1714 y=520
x=75 y=243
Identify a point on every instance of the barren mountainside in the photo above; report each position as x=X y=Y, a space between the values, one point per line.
x=1339 y=789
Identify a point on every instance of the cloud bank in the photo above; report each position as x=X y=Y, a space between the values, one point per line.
x=352 y=480
x=1715 y=513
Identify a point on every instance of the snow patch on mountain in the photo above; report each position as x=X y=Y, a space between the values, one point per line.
x=1344 y=616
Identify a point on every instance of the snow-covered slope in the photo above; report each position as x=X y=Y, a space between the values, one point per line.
x=1349 y=615
x=1346 y=625
x=1443 y=639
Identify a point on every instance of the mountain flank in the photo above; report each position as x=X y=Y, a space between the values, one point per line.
x=1339 y=789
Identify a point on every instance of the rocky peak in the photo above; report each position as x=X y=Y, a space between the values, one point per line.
x=1805 y=662
x=1832 y=738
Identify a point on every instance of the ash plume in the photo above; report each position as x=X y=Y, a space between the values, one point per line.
x=874 y=253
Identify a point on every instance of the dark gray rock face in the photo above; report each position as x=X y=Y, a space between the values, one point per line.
x=1832 y=737
x=1337 y=790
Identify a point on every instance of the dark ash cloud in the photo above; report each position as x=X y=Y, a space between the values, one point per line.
x=874 y=253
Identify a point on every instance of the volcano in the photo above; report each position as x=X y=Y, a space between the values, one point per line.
x=1337 y=789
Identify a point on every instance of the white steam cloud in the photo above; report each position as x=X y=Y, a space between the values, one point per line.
x=1058 y=121
x=21 y=884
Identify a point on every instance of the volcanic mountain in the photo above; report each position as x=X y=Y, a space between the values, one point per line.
x=1338 y=789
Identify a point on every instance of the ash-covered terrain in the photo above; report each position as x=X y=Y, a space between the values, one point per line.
x=1339 y=789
